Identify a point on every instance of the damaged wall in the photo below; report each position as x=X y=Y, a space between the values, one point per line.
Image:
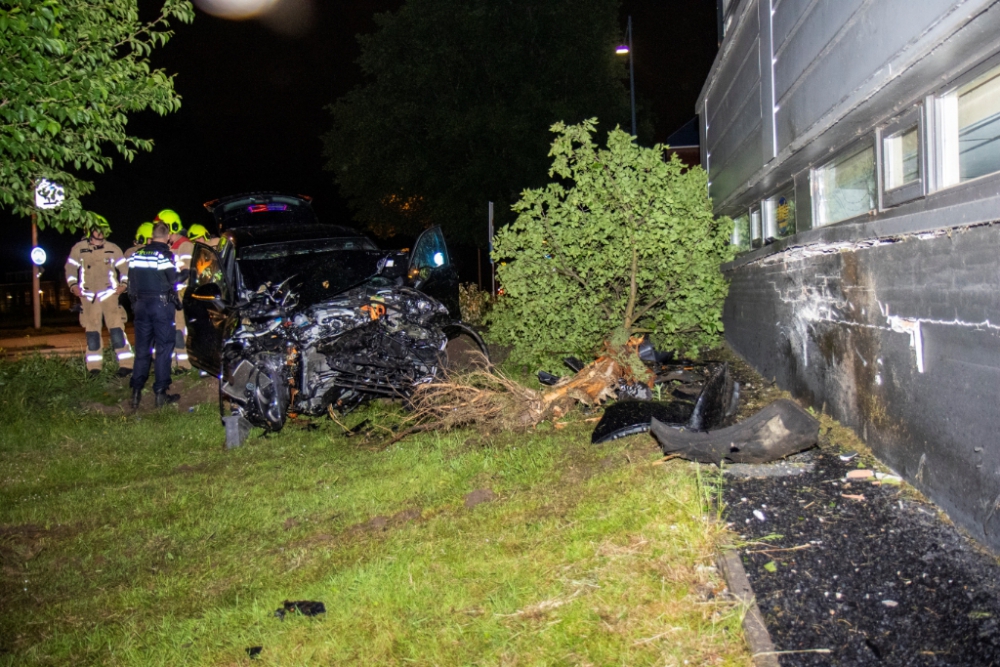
x=898 y=338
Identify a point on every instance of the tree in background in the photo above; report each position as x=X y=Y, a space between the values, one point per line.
x=71 y=72
x=623 y=243
x=460 y=98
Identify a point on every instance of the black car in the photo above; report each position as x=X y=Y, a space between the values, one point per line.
x=294 y=316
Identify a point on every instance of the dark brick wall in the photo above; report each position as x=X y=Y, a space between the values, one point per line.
x=850 y=330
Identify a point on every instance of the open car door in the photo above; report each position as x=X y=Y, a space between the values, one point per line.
x=205 y=301
x=432 y=272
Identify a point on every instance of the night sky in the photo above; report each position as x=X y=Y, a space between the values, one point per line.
x=252 y=111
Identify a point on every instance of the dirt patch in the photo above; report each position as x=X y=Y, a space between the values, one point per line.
x=290 y=523
x=381 y=524
x=478 y=497
x=193 y=389
x=865 y=571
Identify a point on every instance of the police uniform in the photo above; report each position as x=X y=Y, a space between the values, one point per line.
x=152 y=284
x=98 y=271
x=182 y=249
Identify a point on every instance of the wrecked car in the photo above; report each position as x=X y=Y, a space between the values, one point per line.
x=294 y=316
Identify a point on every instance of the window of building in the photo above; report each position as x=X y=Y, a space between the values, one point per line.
x=780 y=211
x=741 y=232
x=846 y=186
x=756 y=228
x=969 y=129
x=902 y=159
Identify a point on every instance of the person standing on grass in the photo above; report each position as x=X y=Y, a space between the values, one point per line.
x=97 y=273
x=152 y=289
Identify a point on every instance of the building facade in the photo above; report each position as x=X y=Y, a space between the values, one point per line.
x=856 y=143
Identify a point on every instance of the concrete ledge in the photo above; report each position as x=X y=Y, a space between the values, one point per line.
x=758 y=639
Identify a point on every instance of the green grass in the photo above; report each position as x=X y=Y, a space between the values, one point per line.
x=132 y=541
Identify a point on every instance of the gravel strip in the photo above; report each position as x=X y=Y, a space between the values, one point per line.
x=862 y=572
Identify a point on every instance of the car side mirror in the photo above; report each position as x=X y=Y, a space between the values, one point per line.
x=207 y=292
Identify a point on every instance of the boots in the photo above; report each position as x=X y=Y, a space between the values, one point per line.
x=163 y=398
x=136 y=397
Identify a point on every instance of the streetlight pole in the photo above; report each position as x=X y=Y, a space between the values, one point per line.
x=622 y=50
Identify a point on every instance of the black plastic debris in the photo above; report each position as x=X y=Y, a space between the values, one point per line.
x=777 y=431
x=634 y=391
x=254 y=651
x=631 y=417
x=304 y=607
x=573 y=364
x=651 y=355
x=548 y=379
x=716 y=403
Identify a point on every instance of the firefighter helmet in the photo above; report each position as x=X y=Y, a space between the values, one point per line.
x=170 y=219
x=196 y=232
x=144 y=234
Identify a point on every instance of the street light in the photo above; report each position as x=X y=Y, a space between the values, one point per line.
x=627 y=49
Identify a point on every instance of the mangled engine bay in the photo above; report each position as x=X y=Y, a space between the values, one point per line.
x=377 y=339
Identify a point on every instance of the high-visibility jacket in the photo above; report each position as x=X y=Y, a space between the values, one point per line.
x=97 y=271
x=182 y=248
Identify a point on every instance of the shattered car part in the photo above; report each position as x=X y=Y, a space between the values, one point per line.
x=374 y=340
x=295 y=317
x=716 y=403
x=777 y=431
x=304 y=607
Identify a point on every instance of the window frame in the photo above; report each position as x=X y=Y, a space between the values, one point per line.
x=868 y=140
x=936 y=131
x=901 y=194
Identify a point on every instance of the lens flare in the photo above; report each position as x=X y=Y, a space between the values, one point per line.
x=235 y=9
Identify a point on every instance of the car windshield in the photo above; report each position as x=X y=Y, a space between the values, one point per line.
x=324 y=267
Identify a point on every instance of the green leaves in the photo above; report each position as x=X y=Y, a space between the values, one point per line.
x=624 y=240
x=72 y=70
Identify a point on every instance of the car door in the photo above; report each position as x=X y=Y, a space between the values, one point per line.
x=205 y=309
x=432 y=272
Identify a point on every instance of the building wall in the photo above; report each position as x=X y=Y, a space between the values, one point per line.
x=899 y=339
x=889 y=320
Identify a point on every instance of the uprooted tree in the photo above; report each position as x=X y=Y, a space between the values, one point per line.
x=623 y=243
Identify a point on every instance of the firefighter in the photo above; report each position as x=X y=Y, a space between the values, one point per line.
x=199 y=234
x=143 y=235
x=152 y=282
x=97 y=273
x=182 y=248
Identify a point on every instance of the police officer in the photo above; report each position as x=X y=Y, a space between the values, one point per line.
x=182 y=248
x=152 y=290
x=97 y=273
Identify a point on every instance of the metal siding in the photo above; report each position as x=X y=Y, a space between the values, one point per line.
x=786 y=14
x=860 y=52
x=820 y=26
x=743 y=164
x=769 y=149
x=723 y=111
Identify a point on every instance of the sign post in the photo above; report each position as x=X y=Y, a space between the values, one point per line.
x=48 y=195
x=493 y=272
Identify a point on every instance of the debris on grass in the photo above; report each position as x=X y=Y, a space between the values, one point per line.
x=304 y=607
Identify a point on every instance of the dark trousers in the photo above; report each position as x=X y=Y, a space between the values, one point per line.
x=154 y=324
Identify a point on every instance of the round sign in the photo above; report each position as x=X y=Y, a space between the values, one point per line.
x=48 y=194
x=38 y=256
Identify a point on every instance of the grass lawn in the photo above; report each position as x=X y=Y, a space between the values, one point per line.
x=139 y=541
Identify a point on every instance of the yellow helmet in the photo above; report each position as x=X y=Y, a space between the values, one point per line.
x=144 y=234
x=170 y=219
x=196 y=232
x=101 y=225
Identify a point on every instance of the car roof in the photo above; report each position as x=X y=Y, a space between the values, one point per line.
x=260 y=235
